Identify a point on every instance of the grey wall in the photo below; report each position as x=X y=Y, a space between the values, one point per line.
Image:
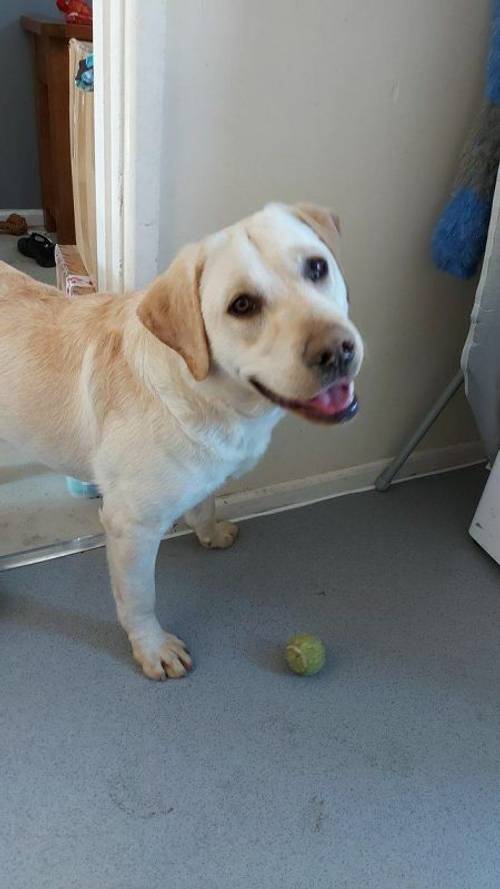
x=19 y=178
x=363 y=106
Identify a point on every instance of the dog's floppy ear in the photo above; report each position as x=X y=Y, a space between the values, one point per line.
x=171 y=310
x=322 y=221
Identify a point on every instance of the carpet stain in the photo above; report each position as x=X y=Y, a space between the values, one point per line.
x=134 y=800
x=318 y=813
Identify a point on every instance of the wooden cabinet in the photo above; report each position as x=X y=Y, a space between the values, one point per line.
x=49 y=42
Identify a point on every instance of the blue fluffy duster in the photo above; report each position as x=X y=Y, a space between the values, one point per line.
x=459 y=238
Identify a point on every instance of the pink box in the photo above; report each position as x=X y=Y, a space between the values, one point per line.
x=71 y=274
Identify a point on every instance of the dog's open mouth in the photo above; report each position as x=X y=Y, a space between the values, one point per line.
x=336 y=404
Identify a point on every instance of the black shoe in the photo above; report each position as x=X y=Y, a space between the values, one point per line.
x=39 y=248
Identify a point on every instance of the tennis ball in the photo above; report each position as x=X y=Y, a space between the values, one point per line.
x=305 y=654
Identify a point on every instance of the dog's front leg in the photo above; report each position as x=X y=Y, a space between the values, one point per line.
x=132 y=549
x=211 y=533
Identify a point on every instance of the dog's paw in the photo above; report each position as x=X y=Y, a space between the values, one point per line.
x=163 y=658
x=223 y=536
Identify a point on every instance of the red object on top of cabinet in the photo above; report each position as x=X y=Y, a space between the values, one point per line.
x=77 y=12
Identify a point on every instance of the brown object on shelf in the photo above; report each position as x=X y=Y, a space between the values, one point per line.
x=49 y=42
x=71 y=275
x=13 y=225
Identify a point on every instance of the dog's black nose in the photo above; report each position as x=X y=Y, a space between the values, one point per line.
x=345 y=356
x=334 y=360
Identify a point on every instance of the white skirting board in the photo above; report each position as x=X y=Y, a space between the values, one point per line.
x=34 y=218
x=65 y=512
x=302 y=492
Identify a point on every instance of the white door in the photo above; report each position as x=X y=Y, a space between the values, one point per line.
x=129 y=66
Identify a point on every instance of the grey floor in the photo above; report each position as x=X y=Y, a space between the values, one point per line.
x=382 y=772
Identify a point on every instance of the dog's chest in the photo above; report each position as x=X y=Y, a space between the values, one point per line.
x=200 y=460
x=229 y=449
x=234 y=447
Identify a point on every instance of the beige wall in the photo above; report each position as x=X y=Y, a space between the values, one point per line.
x=359 y=105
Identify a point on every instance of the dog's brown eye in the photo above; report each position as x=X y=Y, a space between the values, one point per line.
x=244 y=304
x=316 y=268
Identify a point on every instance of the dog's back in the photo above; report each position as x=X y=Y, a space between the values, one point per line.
x=47 y=350
x=15 y=284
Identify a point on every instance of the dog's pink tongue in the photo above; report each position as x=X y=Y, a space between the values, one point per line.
x=333 y=400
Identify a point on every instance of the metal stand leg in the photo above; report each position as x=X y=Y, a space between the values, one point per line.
x=384 y=480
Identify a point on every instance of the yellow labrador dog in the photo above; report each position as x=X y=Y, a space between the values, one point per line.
x=161 y=395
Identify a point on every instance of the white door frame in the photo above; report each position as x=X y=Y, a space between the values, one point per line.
x=129 y=65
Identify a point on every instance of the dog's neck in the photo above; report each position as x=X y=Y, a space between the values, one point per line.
x=166 y=375
x=236 y=395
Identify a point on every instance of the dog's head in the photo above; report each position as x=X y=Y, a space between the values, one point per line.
x=265 y=302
